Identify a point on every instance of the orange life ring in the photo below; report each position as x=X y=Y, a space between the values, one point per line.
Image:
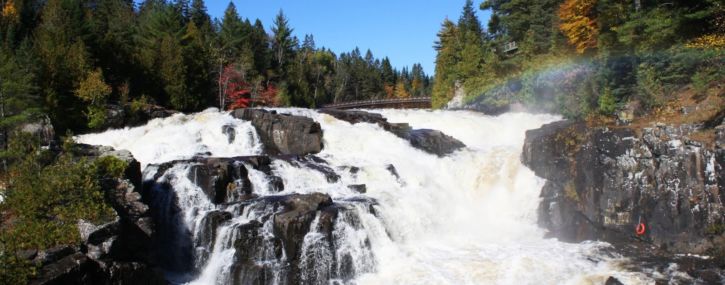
x=640 y=229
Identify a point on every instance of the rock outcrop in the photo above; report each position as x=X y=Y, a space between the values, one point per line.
x=284 y=134
x=115 y=253
x=281 y=236
x=603 y=182
x=127 y=116
x=430 y=141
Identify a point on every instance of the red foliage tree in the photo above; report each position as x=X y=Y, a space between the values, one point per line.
x=268 y=96
x=235 y=91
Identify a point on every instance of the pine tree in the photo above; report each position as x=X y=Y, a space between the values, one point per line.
x=447 y=59
x=468 y=22
x=172 y=71
x=283 y=44
x=199 y=65
x=18 y=101
x=201 y=19
x=259 y=42
x=388 y=73
x=231 y=34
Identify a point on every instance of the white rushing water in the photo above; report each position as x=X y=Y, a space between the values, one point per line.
x=468 y=218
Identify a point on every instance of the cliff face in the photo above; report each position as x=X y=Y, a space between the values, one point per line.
x=603 y=182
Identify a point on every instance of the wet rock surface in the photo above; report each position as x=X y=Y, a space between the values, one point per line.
x=602 y=183
x=277 y=238
x=430 y=141
x=284 y=134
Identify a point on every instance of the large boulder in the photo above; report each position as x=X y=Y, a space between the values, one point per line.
x=284 y=134
x=602 y=183
x=433 y=141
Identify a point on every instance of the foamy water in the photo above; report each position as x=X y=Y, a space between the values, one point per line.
x=468 y=218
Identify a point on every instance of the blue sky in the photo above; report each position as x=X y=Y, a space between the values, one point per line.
x=403 y=30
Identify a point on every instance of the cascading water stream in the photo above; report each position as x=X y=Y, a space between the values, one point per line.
x=467 y=218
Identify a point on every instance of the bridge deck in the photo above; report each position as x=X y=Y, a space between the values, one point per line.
x=405 y=103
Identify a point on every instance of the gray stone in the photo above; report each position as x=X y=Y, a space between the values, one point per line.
x=284 y=134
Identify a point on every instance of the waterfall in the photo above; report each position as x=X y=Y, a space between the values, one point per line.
x=467 y=218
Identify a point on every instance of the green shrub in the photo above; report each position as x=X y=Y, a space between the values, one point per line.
x=46 y=196
x=96 y=116
x=110 y=167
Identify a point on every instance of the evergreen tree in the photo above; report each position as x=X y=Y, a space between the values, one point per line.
x=199 y=65
x=283 y=44
x=388 y=73
x=468 y=22
x=259 y=42
x=172 y=72
x=231 y=34
x=446 y=75
x=18 y=101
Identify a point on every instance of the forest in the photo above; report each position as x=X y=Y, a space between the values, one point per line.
x=580 y=57
x=70 y=58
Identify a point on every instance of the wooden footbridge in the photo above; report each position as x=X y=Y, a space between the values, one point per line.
x=402 y=103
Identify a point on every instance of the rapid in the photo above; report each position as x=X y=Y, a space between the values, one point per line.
x=466 y=218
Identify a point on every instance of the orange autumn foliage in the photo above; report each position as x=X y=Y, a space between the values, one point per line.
x=578 y=25
x=9 y=11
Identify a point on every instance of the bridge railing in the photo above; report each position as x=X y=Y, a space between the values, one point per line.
x=378 y=102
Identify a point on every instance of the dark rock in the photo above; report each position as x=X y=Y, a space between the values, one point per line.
x=208 y=232
x=393 y=171
x=434 y=142
x=292 y=224
x=129 y=273
x=124 y=198
x=431 y=141
x=103 y=233
x=230 y=132
x=72 y=269
x=214 y=177
x=603 y=182
x=276 y=184
x=715 y=120
x=284 y=134
x=54 y=254
x=115 y=116
x=354 y=117
x=140 y=116
x=360 y=188
x=613 y=281
x=249 y=245
x=314 y=163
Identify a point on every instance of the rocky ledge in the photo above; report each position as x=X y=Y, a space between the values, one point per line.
x=602 y=183
x=115 y=253
x=430 y=141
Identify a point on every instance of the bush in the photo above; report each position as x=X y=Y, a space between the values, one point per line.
x=46 y=196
